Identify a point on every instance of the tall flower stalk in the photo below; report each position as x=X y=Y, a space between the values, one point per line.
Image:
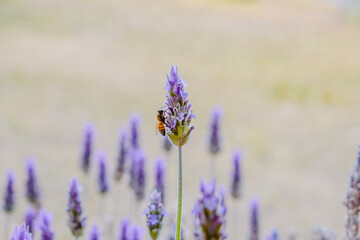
x=32 y=187
x=178 y=115
x=44 y=224
x=76 y=219
x=9 y=201
x=254 y=219
x=236 y=176
x=155 y=214
x=87 y=148
x=352 y=203
x=214 y=138
x=122 y=154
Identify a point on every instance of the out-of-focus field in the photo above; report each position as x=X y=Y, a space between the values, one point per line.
x=287 y=74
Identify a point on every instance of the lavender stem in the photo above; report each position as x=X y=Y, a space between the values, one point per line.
x=178 y=218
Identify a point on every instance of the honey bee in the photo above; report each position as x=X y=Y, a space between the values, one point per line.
x=160 y=122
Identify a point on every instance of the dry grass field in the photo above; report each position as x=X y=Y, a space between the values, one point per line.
x=286 y=72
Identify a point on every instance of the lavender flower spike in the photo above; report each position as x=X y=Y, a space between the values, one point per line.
x=210 y=213
x=134 y=233
x=87 y=147
x=352 y=202
x=94 y=233
x=155 y=214
x=254 y=219
x=125 y=225
x=160 y=167
x=30 y=217
x=121 y=160
x=21 y=233
x=32 y=188
x=236 y=176
x=134 y=131
x=45 y=220
x=102 y=178
x=76 y=221
x=214 y=140
x=9 y=195
x=137 y=174
x=178 y=113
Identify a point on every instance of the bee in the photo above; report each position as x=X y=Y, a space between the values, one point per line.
x=160 y=122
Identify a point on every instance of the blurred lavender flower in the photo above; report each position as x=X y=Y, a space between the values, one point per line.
x=273 y=235
x=160 y=167
x=254 y=219
x=352 y=202
x=21 y=233
x=9 y=195
x=134 y=232
x=94 y=233
x=155 y=214
x=87 y=147
x=134 y=131
x=167 y=144
x=236 y=176
x=214 y=139
x=76 y=221
x=125 y=225
x=321 y=233
x=121 y=160
x=44 y=224
x=30 y=217
x=210 y=211
x=32 y=187
x=137 y=174
x=178 y=114
x=102 y=177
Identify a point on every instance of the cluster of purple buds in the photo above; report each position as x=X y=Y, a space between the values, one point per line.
x=121 y=159
x=9 y=195
x=178 y=113
x=254 y=219
x=44 y=225
x=167 y=144
x=352 y=202
x=155 y=214
x=102 y=176
x=32 y=187
x=137 y=174
x=87 y=148
x=94 y=233
x=134 y=131
x=130 y=232
x=214 y=139
x=210 y=211
x=21 y=233
x=76 y=221
x=236 y=175
x=160 y=167
x=30 y=217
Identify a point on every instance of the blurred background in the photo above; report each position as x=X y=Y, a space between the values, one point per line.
x=285 y=72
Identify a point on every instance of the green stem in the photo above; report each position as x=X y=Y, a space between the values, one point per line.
x=178 y=217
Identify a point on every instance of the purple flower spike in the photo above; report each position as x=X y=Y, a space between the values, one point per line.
x=94 y=233
x=9 y=195
x=236 y=176
x=134 y=130
x=137 y=174
x=30 y=217
x=167 y=144
x=210 y=211
x=21 y=233
x=76 y=221
x=121 y=160
x=155 y=214
x=254 y=219
x=125 y=225
x=160 y=167
x=102 y=178
x=134 y=233
x=214 y=140
x=44 y=224
x=178 y=113
x=87 y=147
x=32 y=187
